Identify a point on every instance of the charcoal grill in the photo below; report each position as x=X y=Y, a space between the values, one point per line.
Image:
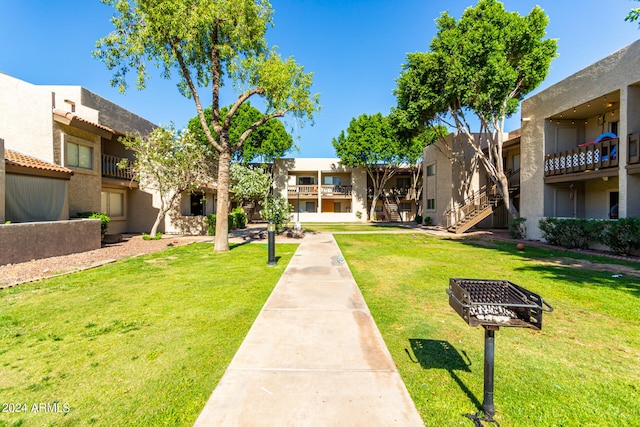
x=492 y=304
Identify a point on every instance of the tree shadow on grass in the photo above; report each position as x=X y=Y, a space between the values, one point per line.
x=440 y=354
x=579 y=269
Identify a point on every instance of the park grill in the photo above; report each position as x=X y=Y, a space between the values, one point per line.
x=492 y=304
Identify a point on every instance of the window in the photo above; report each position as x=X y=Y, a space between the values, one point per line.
x=405 y=206
x=197 y=203
x=516 y=162
x=431 y=204
x=310 y=207
x=613 y=128
x=112 y=203
x=337 y=207
x=332 y=180
x=431 y=169
x=306 y=180
x=79 y=156
x=614 y=198
x=403 y=182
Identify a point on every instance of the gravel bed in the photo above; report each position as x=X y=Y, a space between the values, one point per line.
x=14 y=274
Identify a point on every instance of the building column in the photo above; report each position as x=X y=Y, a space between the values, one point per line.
x=319 y=208
x=629 y=201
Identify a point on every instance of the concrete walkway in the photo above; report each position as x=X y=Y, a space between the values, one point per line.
x=313 y=357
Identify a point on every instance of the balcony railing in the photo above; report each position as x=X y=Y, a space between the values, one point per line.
x=400 y=193
x=586 y=157
x=312 y=190
x=110 y=168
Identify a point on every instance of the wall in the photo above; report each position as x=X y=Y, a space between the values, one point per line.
x=613 y=73
x=26 y=118
x=2 y=183
x=37 y=240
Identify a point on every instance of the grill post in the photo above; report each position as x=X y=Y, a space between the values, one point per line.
x=489 y=356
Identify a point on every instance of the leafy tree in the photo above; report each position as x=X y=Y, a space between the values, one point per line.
x=481 y=66
x=634 y=14
x=371 y=143
x=268 y=142
x=169 y=163
x=206 y=42
x=277 y=210
x=249 y=184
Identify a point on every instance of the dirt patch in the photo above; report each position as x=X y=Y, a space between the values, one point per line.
x=581 y=263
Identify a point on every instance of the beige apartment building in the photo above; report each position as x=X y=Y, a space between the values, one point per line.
x=580 y=144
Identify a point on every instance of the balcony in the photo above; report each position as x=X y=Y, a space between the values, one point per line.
x=336 y=191
x=399 y=193
x=110 y=168
x=584 y=158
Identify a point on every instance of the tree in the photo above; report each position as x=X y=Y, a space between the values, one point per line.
x=268 y=142
x=634 y=14
x=371 y=143
x=277 y=210
x=169 y=163
x=205 y=42
x=249 y=184
x=482 y=66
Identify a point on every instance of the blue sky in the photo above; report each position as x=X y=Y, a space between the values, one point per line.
x=354 y=47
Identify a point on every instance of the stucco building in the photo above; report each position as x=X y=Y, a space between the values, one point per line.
x=580 y=144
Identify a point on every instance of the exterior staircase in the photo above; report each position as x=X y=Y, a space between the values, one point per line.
x=479 y=206
x=391 y=207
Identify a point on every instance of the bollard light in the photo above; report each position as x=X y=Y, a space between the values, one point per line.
x=271 y=231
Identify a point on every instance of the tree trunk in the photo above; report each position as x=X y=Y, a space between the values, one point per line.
x=156 y=224
x=372 y=211
x=503 y=187
x=222 y=206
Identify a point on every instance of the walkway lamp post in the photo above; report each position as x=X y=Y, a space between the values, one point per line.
x=271 y=230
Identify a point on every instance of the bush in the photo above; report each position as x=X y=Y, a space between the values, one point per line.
x=418 y=219
x=427 y=220
x=239 y=217
x=572 y=232
x=158 y=236
x=622 y=235
x=104 y=219
x=276 y=210
x=210 y=220
x=517 y=228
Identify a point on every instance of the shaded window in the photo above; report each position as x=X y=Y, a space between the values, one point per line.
x=197 y=203
x=112 y=203
x=332 y=180
x=431 y=204
x=79 y=156
x=431 y=169
x=403 y=182
x=614 y=198
x=306 y=180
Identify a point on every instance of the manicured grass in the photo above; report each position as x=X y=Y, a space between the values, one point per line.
x=348 y=226
x=141 y=342
x=582 y=369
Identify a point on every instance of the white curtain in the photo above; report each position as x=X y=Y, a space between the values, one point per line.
x=33 y=198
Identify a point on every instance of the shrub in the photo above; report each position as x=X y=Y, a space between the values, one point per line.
x=158 y=236
x=239 y=217
x=210 y=220
x=517 y=228
x=276 y=210
x=427 y=220
x=572 y=232
x=104 y=219
x=418 y=219
x=622 y=235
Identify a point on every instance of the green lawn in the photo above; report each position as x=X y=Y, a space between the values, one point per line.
x=582 y=369
x=139 y=342
x=348 y=226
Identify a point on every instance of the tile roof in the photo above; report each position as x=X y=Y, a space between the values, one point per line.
x=18 y=159
x=74 y=117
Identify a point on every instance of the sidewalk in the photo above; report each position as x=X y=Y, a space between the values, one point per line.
x=313 y=357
